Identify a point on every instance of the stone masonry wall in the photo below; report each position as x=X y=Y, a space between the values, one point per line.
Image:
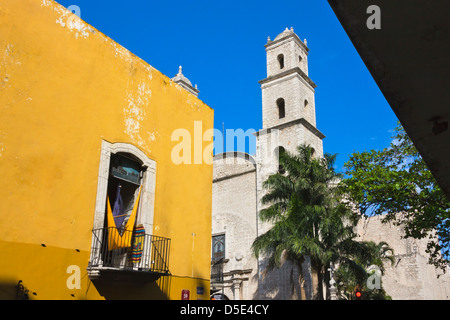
x=295 y=91
x=294 y=56
x=410 y=277
x=234 y=214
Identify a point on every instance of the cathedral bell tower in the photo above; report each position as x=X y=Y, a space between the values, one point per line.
x=289 y=119
x=288 y=105
x=287 y=92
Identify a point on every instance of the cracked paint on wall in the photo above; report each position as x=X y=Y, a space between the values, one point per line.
x=69 y=20
x=9 y=64
x=134 y=112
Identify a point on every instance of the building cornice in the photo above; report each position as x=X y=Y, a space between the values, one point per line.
x=302 y=121
x=188 y=87
x=293 y=36
x=295 y=70
x=234 y=175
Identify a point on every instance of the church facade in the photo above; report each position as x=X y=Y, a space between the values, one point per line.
x=289 y=119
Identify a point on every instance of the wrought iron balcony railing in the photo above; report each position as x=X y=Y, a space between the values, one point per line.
x=128 y=252
x=217 y=267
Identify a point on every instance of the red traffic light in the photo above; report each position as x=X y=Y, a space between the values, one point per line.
x=358 y=294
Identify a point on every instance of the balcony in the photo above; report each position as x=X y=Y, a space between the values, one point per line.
x=128 y=256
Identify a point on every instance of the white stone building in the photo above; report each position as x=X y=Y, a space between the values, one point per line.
x=288 y=109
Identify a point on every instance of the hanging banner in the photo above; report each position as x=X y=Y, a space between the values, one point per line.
x=115 y=239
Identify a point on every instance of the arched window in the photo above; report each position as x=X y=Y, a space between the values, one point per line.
x=124 y=183
x=281 y=60
x=278 y=152
x=281 y=108
x=306 y=103
x=123 y=162
x=125 y=198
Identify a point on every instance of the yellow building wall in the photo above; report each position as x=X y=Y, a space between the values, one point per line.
x=65 y=87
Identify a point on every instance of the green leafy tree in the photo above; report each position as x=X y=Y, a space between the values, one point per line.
x=309 y=222
x=395 y=182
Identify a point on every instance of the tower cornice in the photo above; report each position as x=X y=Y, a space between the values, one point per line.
x=293 y=36
x=289 y=72
x=302 y=121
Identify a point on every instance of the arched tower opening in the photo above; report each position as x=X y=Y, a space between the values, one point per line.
x=281 y=108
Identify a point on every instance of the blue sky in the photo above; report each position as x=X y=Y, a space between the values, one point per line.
x=220 y=45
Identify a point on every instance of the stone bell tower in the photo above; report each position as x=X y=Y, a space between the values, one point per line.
x=289 y=119
x=288 y=104
x=288 y=93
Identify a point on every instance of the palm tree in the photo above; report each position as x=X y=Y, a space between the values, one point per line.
x=309 y=222
x=348 y=281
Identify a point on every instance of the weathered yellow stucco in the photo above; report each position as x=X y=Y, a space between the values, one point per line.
x=65 y=87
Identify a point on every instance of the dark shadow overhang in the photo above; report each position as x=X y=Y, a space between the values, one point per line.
x=409 y=58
